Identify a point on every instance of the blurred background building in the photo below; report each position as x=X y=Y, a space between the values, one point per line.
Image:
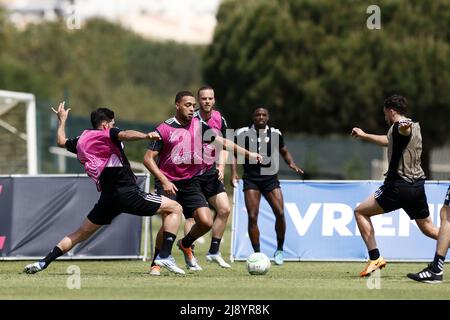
x=189 y=21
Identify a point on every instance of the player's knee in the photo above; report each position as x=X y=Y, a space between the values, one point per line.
x=204 y=226
x=173 y=207
x=279 y=214
x=207 y=224
x=253 y=220
x=177 y=209
x=224 y=213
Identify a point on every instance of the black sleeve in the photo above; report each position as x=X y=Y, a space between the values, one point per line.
x=71 y=145
x=114 y=135
x=208 y=138
x=156 y=145
x=223 y=130
x=397 y=135
x=398 y=138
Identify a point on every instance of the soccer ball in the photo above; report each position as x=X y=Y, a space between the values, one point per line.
x=258 y=263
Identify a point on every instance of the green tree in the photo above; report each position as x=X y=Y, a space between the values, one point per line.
x=320 y=70
x=102 y=64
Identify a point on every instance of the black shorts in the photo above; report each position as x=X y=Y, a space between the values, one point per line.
x=130 y=200
x=265 y=184
x=193 y=193
x=411 y=197
x=210 y=183
x=447 y=197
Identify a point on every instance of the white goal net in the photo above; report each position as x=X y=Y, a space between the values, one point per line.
x=18 y=149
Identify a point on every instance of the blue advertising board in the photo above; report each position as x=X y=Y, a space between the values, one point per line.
x=320 y=223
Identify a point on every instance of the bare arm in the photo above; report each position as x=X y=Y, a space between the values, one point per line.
x=234 y=176
x=61 y=131
x=290 y=160
x=380 y=140
x=221 y=164
x=150 y=164
x=230 y=145
x=132 y=135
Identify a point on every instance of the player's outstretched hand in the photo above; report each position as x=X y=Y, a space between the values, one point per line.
x=357 y=133
x=154 y=136
x=221 y=173
x=169 y=188
x=61 y=112
x=255 y=157
x=234 y=180
x=405 y=123
x=296 y=168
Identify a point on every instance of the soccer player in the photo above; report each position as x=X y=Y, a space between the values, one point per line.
x=101 y=152
x=435 y=271
x=214 y=188
x=180 y=170
x=404 y=183
x=262 y=178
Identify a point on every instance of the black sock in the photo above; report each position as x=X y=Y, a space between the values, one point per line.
x=52 y=255
x=280 y=243
x=154 y=257
x=438 y=263
x=215 y=243
x=166 y=249
x=187 y=241
x=256 y=247
x=374 y=254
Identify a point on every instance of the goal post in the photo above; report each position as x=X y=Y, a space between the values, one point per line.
x=9 y=100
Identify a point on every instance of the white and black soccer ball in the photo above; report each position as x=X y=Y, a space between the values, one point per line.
x=258 y=263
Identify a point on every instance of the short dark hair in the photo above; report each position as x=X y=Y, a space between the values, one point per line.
x=261 y=107
x=398 y=103
x=205 y=87
x=180 y=95
x=101 y=114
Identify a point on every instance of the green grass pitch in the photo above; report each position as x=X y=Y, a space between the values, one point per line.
x=293 y=280
x=129 y=279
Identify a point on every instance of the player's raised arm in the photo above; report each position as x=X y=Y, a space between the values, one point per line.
x=380 y=140
x=62 y=117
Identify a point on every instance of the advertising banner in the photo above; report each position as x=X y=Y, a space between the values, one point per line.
x=36 y=212
x=320 y=223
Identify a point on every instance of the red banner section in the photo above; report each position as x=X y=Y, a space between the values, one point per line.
x=2 y=242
